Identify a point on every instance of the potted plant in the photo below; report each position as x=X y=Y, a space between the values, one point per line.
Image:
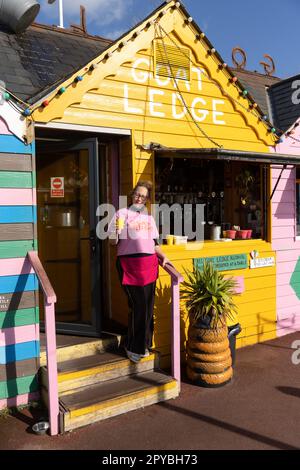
x=209 y=300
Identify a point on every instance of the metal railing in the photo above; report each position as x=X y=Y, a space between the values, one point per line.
x=176 y=279
x=50 y=333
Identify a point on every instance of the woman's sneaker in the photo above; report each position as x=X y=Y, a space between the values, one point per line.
x=134 y=357
x=147 y=353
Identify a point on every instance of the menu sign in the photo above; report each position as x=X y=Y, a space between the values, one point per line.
x=224 y=263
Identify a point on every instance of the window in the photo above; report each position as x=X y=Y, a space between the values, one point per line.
x=172 y=61
x=231 y=192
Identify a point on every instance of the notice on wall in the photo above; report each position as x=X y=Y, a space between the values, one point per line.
x=57 y=186
x=262 y=262
x=224 y=263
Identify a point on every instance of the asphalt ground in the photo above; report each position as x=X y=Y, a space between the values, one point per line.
x=258 y=410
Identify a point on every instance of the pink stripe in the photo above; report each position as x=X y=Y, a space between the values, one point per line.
x=289 y=312
x=288 y=300
x=34 y=196
x=288 y=255
x=283 y=279
x=288 y=325
x=285 y=196
x=282 y=244
x=16 y=197
x=285 y=174
x=284 y=184
x=3 y=128
x=283 y=232
x=284 y=221
x=15 y=266
x=20 y=334
x=287 y=267
x=19 y=400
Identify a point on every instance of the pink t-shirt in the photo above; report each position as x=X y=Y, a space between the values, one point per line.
x=138 y=233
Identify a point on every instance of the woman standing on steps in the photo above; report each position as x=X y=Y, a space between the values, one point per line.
x=135 y=233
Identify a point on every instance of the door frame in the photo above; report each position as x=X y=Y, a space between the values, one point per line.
x=93 y=329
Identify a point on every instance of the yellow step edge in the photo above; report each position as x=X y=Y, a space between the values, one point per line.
x=124 y=399
x=63 y=376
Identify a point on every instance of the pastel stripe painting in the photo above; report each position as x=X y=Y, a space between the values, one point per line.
x=21 y=334
x=17 y=386
x=16 y=179
x=19 y=352
x=17 y=197
x=24 y=282
x=17 y=214
x=15 y=266
x=19 y=400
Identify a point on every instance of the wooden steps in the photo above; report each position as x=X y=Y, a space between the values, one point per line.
x=102 y=401
x=102 y=382
x=80 y=348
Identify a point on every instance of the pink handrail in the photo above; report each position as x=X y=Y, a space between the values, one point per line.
x=49 y=301
x=176 y=279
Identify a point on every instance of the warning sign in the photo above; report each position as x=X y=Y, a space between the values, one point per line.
x=57 y=186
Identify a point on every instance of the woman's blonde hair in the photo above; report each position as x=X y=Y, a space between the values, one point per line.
x=143 y=184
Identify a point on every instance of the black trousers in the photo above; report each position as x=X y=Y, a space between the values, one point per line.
x=140 y=319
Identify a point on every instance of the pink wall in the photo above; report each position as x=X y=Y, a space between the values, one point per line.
x=3 y=127
x=284 y=239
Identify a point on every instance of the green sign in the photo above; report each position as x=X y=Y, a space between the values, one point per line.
x=224 y=263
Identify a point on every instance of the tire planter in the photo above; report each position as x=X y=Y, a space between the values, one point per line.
x=208 y=356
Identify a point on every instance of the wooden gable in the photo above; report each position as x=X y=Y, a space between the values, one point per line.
x=165 y=83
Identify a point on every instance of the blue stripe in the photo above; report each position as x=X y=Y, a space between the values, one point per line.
x=11 y=144
x=17 y=214
x=24 y=282
x=19 y=352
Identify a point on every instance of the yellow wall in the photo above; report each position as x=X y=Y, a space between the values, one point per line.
x=256 y=305
x=123 y=92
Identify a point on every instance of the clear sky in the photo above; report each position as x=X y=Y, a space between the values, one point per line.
x=258 y=26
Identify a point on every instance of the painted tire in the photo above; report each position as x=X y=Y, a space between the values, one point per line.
x=205 y=357
x=208 y=335
x=210 y=379
x=209 y=367
x=212 y=348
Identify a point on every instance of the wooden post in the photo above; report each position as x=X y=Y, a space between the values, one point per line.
x=51 y=367
x=175 y=346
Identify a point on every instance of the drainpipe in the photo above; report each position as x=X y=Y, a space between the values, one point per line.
x=18 y=14
x=61 y=12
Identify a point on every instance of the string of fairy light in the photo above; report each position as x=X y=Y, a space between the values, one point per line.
x=200 y=36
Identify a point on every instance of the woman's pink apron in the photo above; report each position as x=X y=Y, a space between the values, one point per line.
x=139 y=271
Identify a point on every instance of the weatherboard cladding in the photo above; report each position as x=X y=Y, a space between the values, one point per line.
x=284 y=111
x=19 y=313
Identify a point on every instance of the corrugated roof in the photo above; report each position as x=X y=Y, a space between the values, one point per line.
x=257 y=84
x=43 y=56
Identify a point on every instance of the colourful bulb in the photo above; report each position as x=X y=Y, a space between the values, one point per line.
x=27 y=112
x=62 y=90
x=79 y=78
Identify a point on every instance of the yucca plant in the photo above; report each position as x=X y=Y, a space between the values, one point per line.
x=208 y=295
x=209 y=300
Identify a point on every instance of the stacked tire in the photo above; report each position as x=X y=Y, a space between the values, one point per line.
x=209 y=360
